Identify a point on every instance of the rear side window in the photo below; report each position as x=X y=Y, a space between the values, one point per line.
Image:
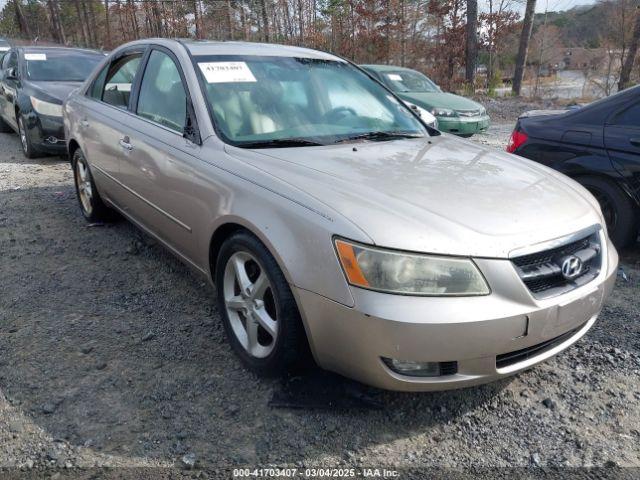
x=162 y=94
x=629 y=117
x=119 y=80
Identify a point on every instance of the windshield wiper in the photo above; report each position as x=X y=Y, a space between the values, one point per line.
x=380 y=136
x=280 y=143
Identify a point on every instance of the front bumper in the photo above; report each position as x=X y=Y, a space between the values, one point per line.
x=471 y=331
x=46 y=133
x=463 y=125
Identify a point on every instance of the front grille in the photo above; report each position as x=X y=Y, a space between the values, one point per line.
x=542 y=271
x=511 y=358
x=469 y=113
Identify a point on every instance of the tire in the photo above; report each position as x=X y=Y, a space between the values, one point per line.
x=264 y=353
x=91 y=205
x=617 y=209
x=27 y=146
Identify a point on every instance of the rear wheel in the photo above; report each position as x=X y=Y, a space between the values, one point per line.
x=258 y=310
x=617 y=209
x=91 y=205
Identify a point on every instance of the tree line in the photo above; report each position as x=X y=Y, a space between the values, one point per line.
x=447 y=39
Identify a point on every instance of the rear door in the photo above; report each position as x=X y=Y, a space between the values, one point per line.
x=158 y=167
x=622 y=139
x=103 y=121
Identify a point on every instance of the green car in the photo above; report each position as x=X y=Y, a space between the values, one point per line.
x=455 y=114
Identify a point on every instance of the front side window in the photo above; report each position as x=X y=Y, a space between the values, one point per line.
x=408 y=81
x=119 y=80
x=162 y=95
x=257 y=99
x=59 y=65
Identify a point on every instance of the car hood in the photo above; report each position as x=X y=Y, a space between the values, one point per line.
x=54 y=90
x=438 y=194
x=439 y=99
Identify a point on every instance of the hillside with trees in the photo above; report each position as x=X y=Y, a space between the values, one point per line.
x=460 y=43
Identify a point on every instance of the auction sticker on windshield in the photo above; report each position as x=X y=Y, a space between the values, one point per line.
x=226 y=72
x=35 y=56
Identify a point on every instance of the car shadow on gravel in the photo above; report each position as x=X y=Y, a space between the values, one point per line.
x=108 y=342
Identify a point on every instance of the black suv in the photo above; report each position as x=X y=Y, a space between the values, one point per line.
x=597 y=145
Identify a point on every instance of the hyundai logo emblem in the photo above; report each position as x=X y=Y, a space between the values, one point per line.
x=571 y=267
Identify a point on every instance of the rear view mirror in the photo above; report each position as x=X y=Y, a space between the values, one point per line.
x=12 y=73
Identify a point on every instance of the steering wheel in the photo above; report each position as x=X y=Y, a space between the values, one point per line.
x=338 y=113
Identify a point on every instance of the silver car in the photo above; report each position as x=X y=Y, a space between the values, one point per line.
x=331 y=219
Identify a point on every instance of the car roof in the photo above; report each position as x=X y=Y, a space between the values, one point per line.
x=207 y=47
x=210 y=47
x=386 y=68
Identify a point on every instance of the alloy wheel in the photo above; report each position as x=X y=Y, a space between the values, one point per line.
x=85 y=191
x=250 y=304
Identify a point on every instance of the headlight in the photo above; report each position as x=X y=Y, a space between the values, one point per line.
x=483 y=111
x=46 y=108
x=443 y=112
x=409 y=273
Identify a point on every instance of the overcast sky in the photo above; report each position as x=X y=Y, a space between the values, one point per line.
x=554 y=5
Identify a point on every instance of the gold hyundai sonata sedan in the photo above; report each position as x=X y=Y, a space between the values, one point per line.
x=330 y=217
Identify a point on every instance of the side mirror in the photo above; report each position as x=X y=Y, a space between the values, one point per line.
x=12 y=73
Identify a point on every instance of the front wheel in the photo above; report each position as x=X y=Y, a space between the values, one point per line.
x=25 y=141
x=617 y=209
x=258 y=310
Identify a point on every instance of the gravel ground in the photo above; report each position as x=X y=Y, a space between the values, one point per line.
x=112 y=355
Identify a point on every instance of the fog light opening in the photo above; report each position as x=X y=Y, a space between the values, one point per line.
x=421 y=369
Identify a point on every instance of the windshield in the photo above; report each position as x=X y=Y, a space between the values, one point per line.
x=408 y=81
x=288 y=101
x=60 y=66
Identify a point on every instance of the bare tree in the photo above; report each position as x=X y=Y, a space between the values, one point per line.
x=265 y=20
x=472 y=42
x=57 y=29
x=523 y=47
x=625 y=73
x=22 y=21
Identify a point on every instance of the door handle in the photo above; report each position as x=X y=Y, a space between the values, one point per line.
x=635 y=142
x=125 y=143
